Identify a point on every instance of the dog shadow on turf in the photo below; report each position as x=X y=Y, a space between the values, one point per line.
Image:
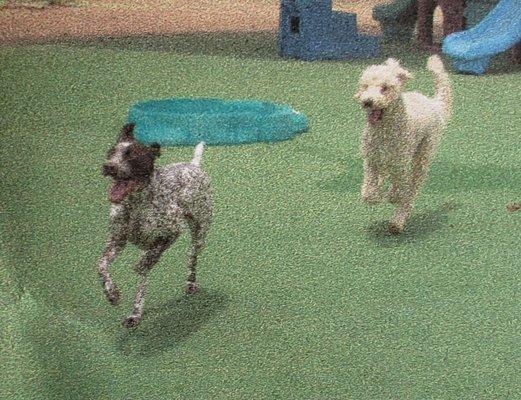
x=444 y=177
x=419 y=226
x=167 y=324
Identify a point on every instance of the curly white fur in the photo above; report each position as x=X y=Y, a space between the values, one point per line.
x=402 y=133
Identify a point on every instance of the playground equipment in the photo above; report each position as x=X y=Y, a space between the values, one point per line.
x=398 y=19
x=496 y=28
x=500 y=30
x=186 y=122
x=311 y=30
x=476 y=10
x=453 y=18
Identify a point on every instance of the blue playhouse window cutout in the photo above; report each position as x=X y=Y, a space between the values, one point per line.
x=295 y=25
x=186 y=122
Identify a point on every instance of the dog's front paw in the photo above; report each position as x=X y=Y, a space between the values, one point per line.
x=396 y=228
x=192 y=288
x=131 y=322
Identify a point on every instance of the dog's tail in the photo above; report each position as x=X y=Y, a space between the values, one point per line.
x=443 y=84
x=198 y=154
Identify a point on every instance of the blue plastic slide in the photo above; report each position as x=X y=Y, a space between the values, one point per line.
x=500 y=30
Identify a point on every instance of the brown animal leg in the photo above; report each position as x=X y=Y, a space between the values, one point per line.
x=453 y=20
x=425 y=16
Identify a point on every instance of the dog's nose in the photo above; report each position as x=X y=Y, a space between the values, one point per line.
x=368 y=103
x=109 y=170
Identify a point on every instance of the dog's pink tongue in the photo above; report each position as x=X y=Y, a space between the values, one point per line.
x=120 y=189
x=375 y=116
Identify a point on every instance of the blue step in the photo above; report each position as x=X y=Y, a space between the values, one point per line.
x=311 y=30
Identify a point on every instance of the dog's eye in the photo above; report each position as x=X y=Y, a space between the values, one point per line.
x=127 y=152
x=384 y=89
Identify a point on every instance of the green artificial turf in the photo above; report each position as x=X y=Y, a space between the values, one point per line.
x=305 y=294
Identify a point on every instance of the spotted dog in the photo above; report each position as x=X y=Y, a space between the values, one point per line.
x=151 y=207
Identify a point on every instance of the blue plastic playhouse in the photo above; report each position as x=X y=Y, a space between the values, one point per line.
x=311 y=30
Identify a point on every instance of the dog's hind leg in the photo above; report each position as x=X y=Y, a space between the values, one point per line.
x=198 y=231
x=420 y=167
x=113 y=248
x=148 y=260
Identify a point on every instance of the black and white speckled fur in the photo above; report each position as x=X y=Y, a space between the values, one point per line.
x=161 y=206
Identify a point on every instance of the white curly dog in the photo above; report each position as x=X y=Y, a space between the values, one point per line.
x=402 y=133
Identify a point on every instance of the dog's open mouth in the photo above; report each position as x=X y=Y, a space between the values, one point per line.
x=121 y=189
x=375 y=115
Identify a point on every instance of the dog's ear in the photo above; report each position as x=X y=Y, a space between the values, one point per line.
x=391 y=62
x=156 y=149
x=127 y=132
x=404 y=76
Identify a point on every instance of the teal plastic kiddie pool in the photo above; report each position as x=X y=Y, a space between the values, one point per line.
x=186 y=122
